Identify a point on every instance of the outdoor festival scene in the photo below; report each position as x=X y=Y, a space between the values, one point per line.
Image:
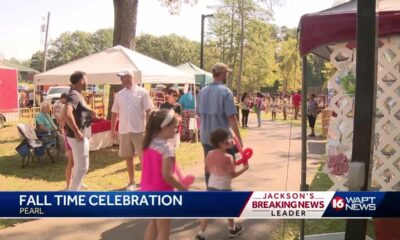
x=199 y=95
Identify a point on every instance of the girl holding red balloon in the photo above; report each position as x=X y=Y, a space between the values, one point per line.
x=221 y=167
x=158 y=165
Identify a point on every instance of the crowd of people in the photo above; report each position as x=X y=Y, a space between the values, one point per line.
x=259 y=103
x=152 y=136
x=26 y=98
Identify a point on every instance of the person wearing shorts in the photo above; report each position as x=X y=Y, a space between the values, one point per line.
x=132 y=106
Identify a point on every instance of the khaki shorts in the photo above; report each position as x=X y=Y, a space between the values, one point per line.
x=130 y=144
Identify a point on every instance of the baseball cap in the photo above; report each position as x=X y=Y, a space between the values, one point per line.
x=124 y=73
x=220 y=68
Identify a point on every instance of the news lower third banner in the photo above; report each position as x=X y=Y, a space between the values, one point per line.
x=199 y=204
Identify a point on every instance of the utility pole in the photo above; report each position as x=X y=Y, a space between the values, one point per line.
x=203 y=17
x=45 y=43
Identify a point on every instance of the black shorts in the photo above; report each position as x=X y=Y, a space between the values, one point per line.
x=311 y=121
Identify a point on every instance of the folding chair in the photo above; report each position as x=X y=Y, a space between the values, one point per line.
x=30 y=145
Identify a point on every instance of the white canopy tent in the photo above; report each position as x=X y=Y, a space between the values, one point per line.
x=102 y=67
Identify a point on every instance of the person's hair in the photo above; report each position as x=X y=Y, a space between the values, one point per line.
x=313 y=95
x=153 y=126
x=64 y=95
x=76 y=77
x=299 y=91
x=218 y=135
x=172 y=91
x=44 y=104
x=259 y=94
x=273 y=99
x=244 y=96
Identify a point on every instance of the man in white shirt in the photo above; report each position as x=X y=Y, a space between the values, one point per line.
x=132 y=106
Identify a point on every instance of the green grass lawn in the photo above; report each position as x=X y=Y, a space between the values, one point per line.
x=290 y=229
x=107 y=171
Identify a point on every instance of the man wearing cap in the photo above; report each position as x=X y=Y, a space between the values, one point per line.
x=216 y=108
x=132 y=106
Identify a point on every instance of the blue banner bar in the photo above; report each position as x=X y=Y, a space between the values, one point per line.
x=122 y=204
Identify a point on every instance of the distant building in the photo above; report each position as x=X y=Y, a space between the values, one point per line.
x=25 y=73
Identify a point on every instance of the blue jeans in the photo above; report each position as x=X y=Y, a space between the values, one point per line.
x=207 y=148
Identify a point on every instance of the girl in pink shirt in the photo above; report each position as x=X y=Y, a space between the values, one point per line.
x=222 y=170
x=158 y=165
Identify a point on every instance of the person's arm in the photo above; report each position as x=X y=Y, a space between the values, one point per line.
x=147 y=105
x=148 y=112
x=167 y=173
x=70 y=120
x=241 y=171
x=230 y=111
x=114 y=117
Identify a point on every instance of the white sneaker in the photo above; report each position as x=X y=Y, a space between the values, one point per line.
x=131 y=187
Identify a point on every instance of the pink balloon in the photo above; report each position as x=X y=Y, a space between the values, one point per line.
x=185 y=181
x=188 y=180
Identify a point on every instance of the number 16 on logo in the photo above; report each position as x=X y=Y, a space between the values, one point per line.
x=338 y=203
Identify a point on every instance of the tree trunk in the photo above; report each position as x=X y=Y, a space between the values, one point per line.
x=125 y=16
x=231 y=61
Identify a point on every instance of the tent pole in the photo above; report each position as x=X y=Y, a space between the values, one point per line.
x=195 y=107
x=303 y=186
x=365 y=100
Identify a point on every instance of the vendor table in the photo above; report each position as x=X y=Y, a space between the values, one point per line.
x=101 y=134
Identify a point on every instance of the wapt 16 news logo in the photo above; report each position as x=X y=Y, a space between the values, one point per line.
x=354 y=203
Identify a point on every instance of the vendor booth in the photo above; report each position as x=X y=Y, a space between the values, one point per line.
x=202 y=77
x=332 y=34
x=102 y=68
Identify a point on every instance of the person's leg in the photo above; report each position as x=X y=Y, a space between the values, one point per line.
x=284 y=114
x=243 y=118
x=163 y=228
x=68 y=169
x=247 y=112
x=295 y=112
x=127 y=151
x=138 y=146
x=151 y=230
x=131 y=170
x=311 y=123
x=80 y=153
x=259 y=117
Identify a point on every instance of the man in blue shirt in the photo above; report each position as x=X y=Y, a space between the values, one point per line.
x=216 y=109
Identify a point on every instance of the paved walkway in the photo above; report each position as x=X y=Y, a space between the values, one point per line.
x=268 y=172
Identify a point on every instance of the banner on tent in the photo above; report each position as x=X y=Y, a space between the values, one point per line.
x=200 y=204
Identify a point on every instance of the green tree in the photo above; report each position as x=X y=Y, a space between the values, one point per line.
x=224 y=41
x=36 y=61
x=170 y=49
x=102 y=39
x=288 y=61
x=71 y=46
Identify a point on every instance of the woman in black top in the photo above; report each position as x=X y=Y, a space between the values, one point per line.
x=172 y=97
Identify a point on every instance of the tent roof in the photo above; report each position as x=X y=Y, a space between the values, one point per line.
x=102 y=67
x=193 y=69
x=338 y=24
x=21 y=68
